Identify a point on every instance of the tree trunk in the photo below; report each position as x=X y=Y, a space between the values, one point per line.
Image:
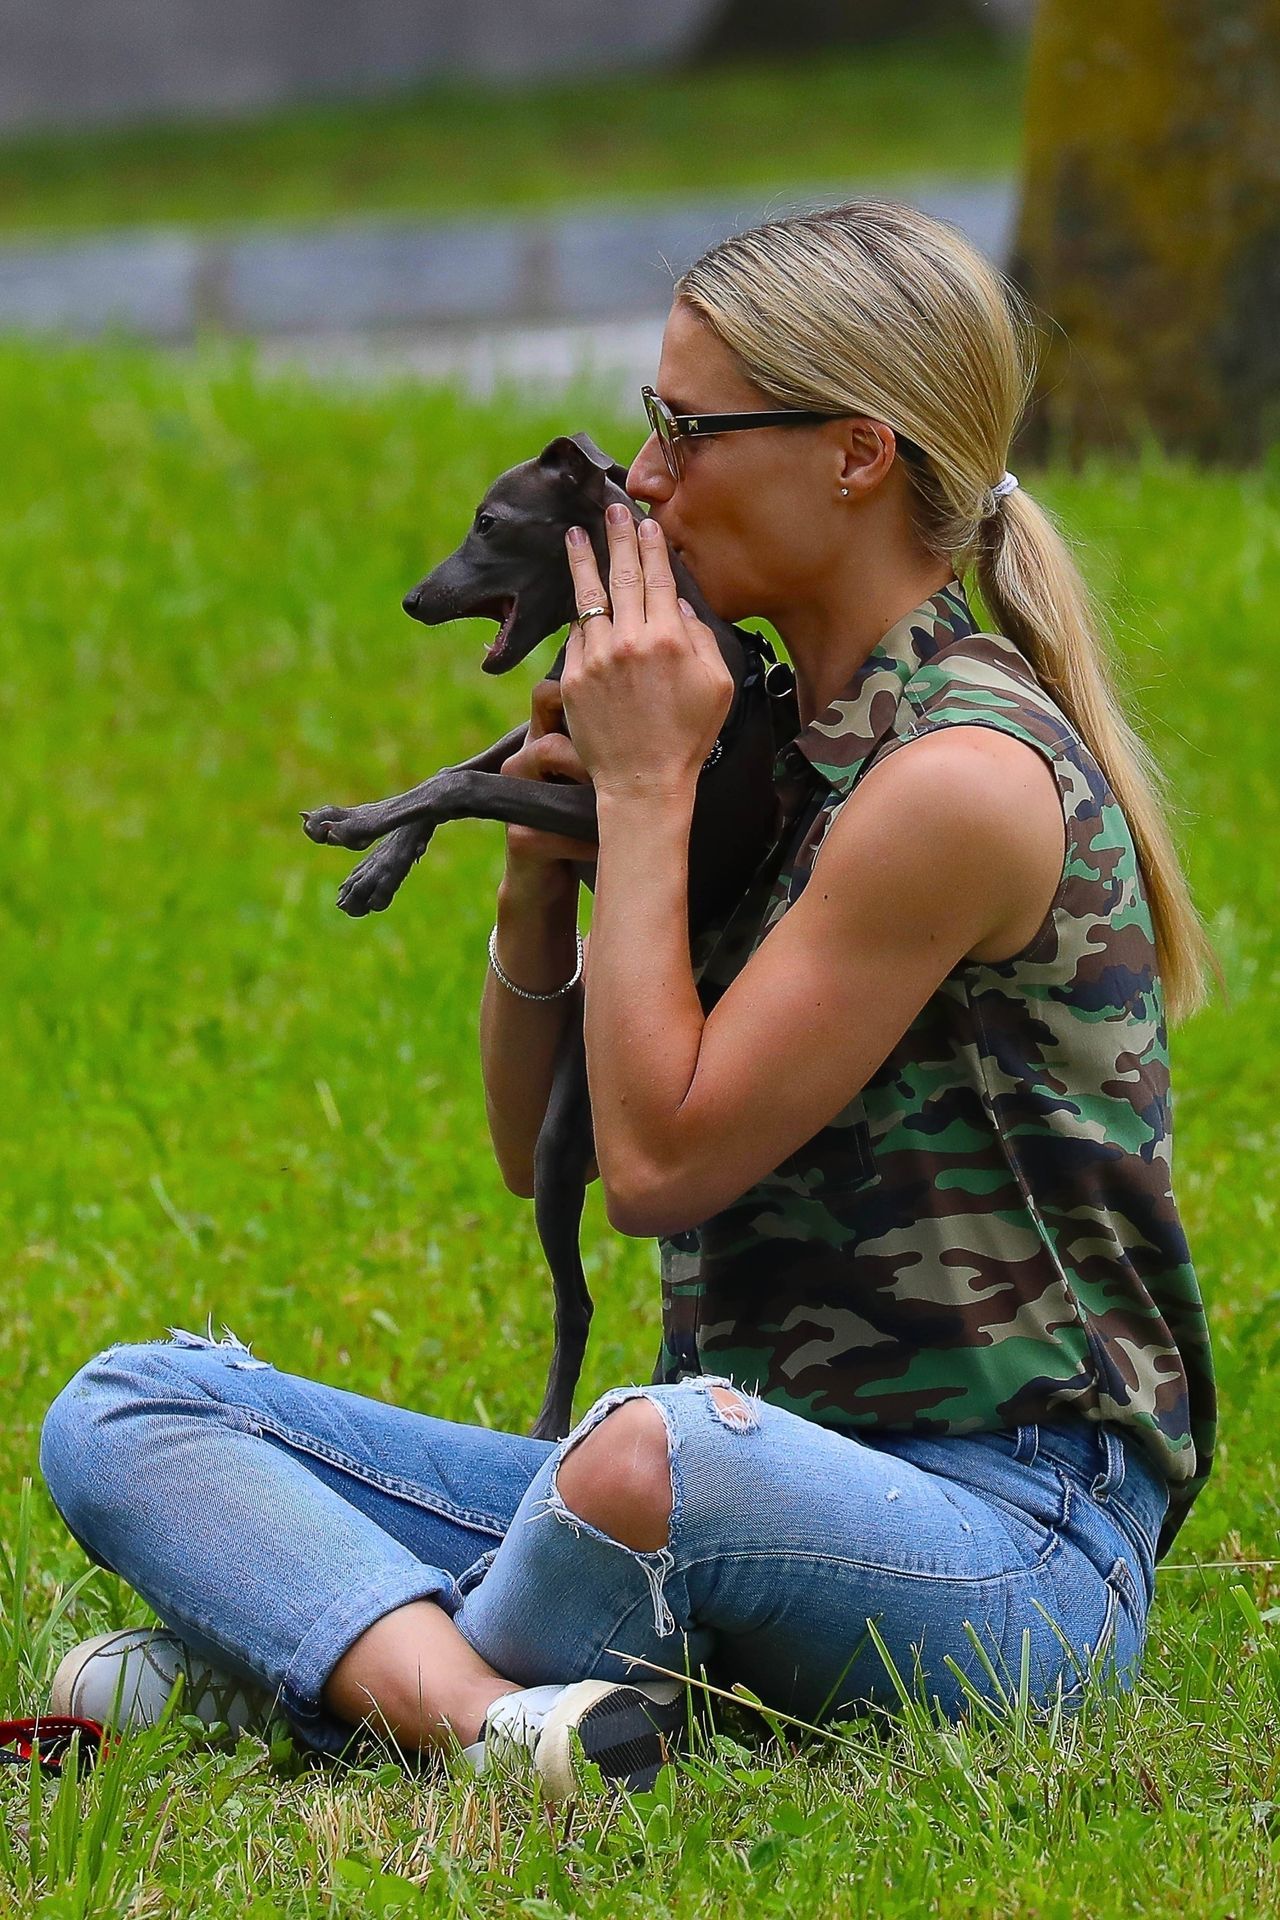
x=1149 y=235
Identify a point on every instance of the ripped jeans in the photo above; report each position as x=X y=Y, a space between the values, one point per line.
x=269 y=1520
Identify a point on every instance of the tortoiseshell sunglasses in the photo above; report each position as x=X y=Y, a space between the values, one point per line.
x=672 y=428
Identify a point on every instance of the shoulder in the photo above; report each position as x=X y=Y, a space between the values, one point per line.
x=965 y=822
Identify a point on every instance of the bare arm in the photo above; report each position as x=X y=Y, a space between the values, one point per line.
x=955 y=843
x=519 y=1038
x=537 y=922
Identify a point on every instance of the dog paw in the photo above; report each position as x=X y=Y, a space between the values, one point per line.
x=348 y=827
x=317 y=823
x=370 y=889
x=374 y=884
x=356 y=898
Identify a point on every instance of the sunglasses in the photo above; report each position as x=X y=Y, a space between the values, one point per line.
x=672 y=429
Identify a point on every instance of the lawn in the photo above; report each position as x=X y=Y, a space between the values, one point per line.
x=222 y=1098
x=884 y=115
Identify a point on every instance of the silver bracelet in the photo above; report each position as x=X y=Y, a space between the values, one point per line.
x=522 y=993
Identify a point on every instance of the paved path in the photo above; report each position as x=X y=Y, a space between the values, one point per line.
x=472 y=295
x=611 y=357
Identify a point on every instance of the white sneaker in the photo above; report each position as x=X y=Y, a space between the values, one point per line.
x=629 y=1731
x=124 y=1679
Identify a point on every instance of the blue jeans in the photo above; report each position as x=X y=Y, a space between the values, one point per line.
x=269 y=1520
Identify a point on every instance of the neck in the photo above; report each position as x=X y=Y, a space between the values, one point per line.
x=830 y=636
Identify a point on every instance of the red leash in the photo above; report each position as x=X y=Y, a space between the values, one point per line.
x=47 y=1739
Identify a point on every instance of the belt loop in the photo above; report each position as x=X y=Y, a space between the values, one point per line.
x=1027 y=1444
x=1111 y=1477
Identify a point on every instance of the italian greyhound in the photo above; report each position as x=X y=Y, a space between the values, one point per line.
x=512 y=568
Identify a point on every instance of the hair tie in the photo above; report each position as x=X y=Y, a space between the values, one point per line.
x=1004 y=485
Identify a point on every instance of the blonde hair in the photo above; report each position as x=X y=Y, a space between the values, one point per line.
x=877 y=309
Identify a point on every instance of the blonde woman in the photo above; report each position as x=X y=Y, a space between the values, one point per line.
x=934 y=1358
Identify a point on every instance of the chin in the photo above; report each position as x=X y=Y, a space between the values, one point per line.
x=729 y=606
x=725 y=602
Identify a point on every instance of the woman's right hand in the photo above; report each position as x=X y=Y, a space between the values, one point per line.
x=538 y=861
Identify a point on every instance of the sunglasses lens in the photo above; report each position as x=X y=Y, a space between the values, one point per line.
x=660 y=421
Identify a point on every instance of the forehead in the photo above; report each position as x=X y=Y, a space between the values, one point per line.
x=697 y=372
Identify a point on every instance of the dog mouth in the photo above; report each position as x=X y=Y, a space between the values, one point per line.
x=503 y=610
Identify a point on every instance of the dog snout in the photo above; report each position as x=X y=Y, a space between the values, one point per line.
x=412 y=602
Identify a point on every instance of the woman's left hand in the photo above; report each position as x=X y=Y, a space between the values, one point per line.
x=646 y=690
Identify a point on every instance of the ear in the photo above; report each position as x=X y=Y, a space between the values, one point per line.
x=580 y=464
x=611 y=469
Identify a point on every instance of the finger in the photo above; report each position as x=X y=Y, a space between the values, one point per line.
x=546 y=709
x=704 y=641
x=626 y=582
x=655 y=564
x=552 y=756
x=555 y=756
x=707 y=648
x=551 y=846
x=588 y=589
x=575 y=648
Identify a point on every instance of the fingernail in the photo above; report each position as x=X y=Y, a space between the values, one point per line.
x=649 y=530
x=617 y=515
x=686 y=608
x=577 y=536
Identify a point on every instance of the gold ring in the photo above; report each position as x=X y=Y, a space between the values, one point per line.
x=589 y=613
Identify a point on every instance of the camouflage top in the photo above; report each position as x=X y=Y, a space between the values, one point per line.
x=986 y=1235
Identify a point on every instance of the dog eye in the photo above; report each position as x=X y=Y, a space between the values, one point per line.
x=483 y=522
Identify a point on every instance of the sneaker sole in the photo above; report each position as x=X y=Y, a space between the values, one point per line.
x=626 y=1733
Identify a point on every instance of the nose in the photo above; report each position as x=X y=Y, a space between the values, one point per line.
x=648 y=478
x=410 y=601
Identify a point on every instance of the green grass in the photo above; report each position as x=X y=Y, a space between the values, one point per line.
x=949 y=107
x=223 y=1098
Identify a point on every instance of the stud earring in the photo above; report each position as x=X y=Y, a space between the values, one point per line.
x=844 y=492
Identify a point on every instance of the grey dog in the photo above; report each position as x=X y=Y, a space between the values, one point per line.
x=511 y=567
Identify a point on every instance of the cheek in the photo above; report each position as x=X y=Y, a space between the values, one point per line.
x=749 y=535
x=723 y=510
x=765 y=540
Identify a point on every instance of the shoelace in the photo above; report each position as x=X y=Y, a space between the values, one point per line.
x=48 y=1739
x=231 y=1698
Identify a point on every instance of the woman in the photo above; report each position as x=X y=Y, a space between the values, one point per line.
x=934 y=1359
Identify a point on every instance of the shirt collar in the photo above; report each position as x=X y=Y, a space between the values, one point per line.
x=838 y=742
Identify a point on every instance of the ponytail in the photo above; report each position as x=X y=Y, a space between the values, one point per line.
x=1038 y=599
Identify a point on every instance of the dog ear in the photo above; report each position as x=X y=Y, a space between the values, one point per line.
x=611 y=469
x=580 y=463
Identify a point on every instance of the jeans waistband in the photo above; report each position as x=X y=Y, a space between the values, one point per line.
x=1112 y=1465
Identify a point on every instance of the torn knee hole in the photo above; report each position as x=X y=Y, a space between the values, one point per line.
x=619 y=1478
x=245 y=1361
x=731 y=1409
x=737 y=1413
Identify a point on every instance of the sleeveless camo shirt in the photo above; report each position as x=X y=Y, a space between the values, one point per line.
x=986 y=1235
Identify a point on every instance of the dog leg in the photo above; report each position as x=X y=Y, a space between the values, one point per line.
x=373 y=885
x=561 y=1158
x=461 y=794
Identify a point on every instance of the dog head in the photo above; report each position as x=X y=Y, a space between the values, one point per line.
x=512 y=566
